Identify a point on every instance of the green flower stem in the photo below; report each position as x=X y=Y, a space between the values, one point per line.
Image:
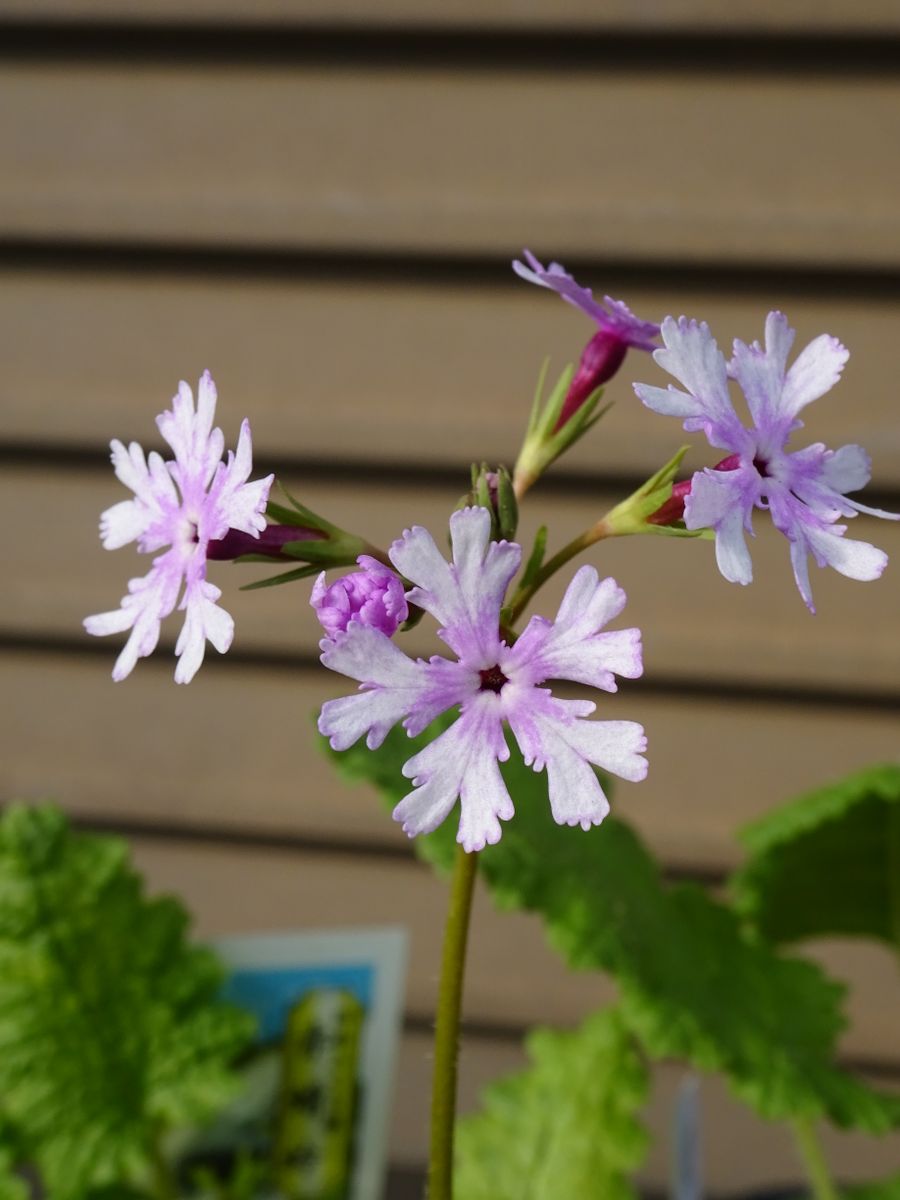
x=446 y=1034
x=893 y=850
x=817 y=1172
x=520 y=600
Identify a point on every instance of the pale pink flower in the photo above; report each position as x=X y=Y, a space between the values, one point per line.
x=493 y=684
x=179 y=506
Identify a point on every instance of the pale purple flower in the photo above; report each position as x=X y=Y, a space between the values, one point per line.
x=182 y=504
x=373 y=596
x=617 y=330
x=492 y=683
x=804 y=490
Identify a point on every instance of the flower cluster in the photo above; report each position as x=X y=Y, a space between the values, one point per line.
x=492 y=683
x=194 y=507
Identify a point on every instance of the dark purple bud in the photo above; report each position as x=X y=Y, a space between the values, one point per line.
x=270 y=542
x=373 y=596
x=600 y=359
x=673 y=509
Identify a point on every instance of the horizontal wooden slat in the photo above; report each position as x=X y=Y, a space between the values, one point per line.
x=237 y=750
x=795 y=16
x=454 y=161
x=696 y=626
x=387 y=369
x=740 y=1152
x=512 y=977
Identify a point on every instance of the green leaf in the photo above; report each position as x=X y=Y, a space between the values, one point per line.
x=111 y=1026
x=828 y=863
x=12 y=1186
x=884 y=1189
x=694 y=984
x=564 y=1127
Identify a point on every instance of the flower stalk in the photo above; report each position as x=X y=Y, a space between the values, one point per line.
x=821 y=1184
x=446 y=1036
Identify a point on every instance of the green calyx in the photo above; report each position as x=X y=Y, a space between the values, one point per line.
x=321 y=546
x=492 y=488
x=633 y=515
x=544 y=443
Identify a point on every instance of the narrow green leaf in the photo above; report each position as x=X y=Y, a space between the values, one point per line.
x=285 y=577
x=111 y=1026
x=828 y=863
x=565 y=1127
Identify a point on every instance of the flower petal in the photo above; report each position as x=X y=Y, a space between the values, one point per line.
x=551 y=734
x=239 y=504
x=461 y=763
x=204 y=621
x=723 y=501
x=692 y=356
x=394 y=688
x=572 y=647
x=815 y=371
x=149 y=600
x=467 y=595
x=761 y=372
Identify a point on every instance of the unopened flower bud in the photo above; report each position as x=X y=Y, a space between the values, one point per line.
x=600 y=359
x=493 y=490
x=373 y=596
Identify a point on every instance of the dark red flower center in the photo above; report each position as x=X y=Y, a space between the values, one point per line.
x=492 y=679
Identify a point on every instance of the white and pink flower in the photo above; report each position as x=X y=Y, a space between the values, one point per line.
x=493 y=684
x=179 y=506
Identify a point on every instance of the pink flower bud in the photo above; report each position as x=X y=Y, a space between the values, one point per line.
x=600 y=359
x=373 y=596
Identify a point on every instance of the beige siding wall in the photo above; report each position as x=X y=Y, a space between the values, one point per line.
x=327 y=225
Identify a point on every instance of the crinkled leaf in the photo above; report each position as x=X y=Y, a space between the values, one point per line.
x=564 y=1127
x=828 y=863
x=694 y=984
x=111 y=1026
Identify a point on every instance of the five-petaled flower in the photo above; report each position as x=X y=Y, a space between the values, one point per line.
x=617 y=330
x=804 y=490
x=182 y=504
x=492 y=683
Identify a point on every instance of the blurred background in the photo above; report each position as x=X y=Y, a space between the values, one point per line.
x=318 y=200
